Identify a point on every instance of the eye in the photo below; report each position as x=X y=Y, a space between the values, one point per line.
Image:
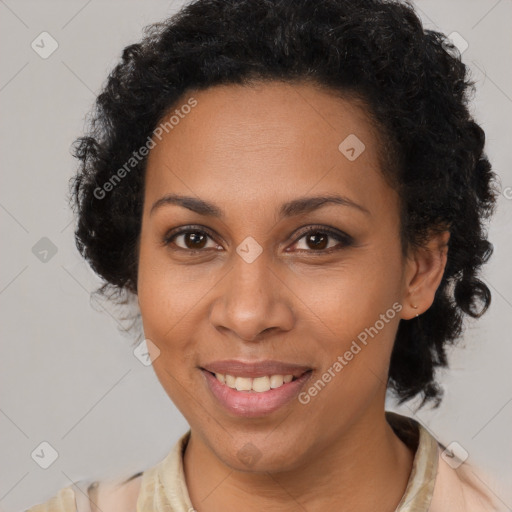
x=316 y=240
x=190 y=239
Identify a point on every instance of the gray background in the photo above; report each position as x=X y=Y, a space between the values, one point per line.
x=68 y=376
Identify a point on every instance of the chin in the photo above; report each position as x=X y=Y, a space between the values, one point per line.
x=254 y=457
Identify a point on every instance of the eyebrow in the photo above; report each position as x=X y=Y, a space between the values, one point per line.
x=291 y=208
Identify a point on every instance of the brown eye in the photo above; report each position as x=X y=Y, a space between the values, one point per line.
x=189 y=240
x=317 y=239
x=194 y=240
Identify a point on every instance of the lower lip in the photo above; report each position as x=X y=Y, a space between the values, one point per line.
x=251 y=405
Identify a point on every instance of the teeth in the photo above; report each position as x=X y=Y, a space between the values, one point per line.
x=276 y=381
x=243 y=384
x=261 y=384
x=230 y=381
x=258 y=384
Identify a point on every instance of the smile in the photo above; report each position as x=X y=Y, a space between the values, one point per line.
x=257 y=385
x=254 y=397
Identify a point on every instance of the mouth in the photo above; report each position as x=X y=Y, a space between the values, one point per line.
x=252 y=397
x=260 y=384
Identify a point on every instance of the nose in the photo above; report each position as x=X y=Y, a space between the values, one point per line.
x=252 y=301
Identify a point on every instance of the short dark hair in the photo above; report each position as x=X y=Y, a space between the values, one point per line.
x=415 y=87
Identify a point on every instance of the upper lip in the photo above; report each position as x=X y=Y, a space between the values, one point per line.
x=255 y=369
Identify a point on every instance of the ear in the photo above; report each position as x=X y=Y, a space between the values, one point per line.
x=423 y=274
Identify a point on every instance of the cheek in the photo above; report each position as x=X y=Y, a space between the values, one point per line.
x=356 y=315
x=162 y=303
x=164 y=309
x=345 y=301
x=172 y=303
x=166 y=318
x=164 y=295
x=354 y=346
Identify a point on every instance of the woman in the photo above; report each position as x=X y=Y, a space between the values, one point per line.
x=295 y=194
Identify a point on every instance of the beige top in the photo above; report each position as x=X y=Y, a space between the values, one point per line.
x=437 y=483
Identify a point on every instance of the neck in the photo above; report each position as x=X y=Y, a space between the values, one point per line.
x=366 y=468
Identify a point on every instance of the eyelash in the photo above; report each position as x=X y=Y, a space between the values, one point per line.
x=341 y=237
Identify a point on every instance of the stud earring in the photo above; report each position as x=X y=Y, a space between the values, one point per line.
x=415 y=307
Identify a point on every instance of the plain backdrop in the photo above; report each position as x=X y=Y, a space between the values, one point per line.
x=68 y=377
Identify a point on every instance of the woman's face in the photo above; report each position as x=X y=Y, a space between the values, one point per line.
x=276 y=275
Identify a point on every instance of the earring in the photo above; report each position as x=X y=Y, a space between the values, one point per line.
x=415 y=307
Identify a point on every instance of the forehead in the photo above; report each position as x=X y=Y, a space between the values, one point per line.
x=260 y=141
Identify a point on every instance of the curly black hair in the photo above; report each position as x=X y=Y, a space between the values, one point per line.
x=414 y=85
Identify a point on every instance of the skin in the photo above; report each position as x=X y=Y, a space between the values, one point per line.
x=248 y=150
